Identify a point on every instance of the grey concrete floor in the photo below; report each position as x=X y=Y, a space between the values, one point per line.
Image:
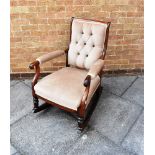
x=116 y=126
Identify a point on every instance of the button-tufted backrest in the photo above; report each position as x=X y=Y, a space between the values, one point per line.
x=87 y=42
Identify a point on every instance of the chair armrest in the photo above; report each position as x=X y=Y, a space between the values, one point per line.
x=96 y=68
x=49 y=56
x=41 y=60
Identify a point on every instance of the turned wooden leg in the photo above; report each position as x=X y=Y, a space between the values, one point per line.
x=81 y=123
x=37 y=107
x=35 y=103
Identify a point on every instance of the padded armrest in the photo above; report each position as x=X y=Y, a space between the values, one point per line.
x=96 y=68
x=49 y=56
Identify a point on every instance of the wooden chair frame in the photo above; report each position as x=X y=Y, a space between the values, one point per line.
x=83 y=113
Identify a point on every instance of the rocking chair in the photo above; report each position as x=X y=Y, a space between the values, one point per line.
x=73 y=87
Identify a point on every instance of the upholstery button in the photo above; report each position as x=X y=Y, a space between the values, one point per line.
x=82 y=32
x=86 y=55
x=78 y=53
x=91 y=34
x=84 y=43
x=93 y=45
x=76 y=42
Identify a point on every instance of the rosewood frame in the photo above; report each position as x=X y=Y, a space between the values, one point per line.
x=84 y=112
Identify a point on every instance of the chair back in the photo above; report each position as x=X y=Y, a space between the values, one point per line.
x=88 y=42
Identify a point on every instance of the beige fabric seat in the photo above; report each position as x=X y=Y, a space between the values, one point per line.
x=65 y=87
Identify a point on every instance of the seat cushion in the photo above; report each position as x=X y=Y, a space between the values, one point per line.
x=65 y=87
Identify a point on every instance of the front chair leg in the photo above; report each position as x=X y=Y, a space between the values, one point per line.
x=35 y=103
x=37 y=107
x=81 y=123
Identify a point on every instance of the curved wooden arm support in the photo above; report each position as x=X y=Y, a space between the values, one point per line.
x=35 y=65
x=87 y=81
x=82 y=107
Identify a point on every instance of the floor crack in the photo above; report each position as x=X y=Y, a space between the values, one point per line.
x=132 y=126
x=129 y=86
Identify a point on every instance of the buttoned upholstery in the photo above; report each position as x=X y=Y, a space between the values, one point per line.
x=65 y=87
x=87 y=42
